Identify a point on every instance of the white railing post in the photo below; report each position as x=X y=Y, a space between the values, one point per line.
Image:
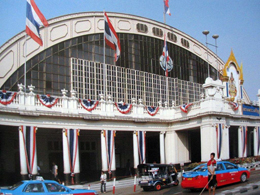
x=64 y=101
x=102 y=104
x=73 y=103
x=30 y=99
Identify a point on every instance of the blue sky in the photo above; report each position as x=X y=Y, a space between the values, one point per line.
x=236 y=21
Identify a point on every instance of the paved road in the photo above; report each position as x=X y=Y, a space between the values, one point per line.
x=254 y=178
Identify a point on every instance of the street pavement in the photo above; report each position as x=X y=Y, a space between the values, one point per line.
x=126 y=187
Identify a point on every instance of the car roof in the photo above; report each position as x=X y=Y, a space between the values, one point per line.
x=39 y=181
x=155 y=165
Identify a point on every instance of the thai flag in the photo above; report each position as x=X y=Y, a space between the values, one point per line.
x=34 y=19
x=7 y=97
x=185 y=107
x=244 y=140
x=219 y=139
x=165 y=55
x=88 y=104
x=111 y=37
x=47 y=100
x=110 y=144
x=166 y=7
x=73 y=147
x=141 y=146
x=234 y=105
x=258 y=135
x=29 y=140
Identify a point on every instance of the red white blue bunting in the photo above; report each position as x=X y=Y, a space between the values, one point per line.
x=258 y=136
x=7 y=97
x=152 y=110
x=110 y=144
x=184 y=107
x=88 y=105
x=29 y=142
x=123 y=107
x=72 y=142
x=244 y=140
x=47 y=100
x=219 y=128
x=141 y=140
x=234 y=105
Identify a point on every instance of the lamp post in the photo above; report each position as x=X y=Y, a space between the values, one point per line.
x=206 y=32
x=215 y=37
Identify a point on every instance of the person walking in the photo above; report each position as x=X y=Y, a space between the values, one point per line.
x=212 y=165
x=103 y=180
x=54 y=172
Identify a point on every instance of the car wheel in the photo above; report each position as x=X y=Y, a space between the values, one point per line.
x=243 y=177
x=176 y=183
x=145 y=188
x=158 y=187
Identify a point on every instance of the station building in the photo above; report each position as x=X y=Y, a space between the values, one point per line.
x=64 y=116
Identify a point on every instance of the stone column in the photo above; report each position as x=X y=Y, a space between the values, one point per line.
x=208 y=141
x=171 y=151
x=66 y=159
x=162 y=147
x=135 y=149
x=103 y=152
x=225 y=143
x=23 y=165
x=113 y=166
x=241 y=152
x=77 y=167
x=256 y=140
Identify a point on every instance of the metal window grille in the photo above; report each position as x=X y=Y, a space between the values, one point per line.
x=124 y=84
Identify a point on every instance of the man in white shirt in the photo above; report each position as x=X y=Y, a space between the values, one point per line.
x=103 y=179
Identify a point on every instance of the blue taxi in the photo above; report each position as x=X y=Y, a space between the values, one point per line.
x=43 y=187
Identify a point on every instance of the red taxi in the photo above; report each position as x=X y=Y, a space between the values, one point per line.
x=226 y=173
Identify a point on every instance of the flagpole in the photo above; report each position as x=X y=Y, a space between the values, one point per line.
x=165 y=62
x=25 y=51
x=104 y=59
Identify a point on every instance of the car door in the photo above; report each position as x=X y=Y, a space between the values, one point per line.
x=233 y=172
x=222 y=175
x=55 y=188
x=34 y=188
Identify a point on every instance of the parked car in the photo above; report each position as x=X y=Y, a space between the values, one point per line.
x=42 y=187
x=226 y=173
x=155 y=176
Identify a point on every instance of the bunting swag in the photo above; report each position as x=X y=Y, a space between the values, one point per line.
x=152 y=110
x=141 y=146
x=6 y=97
x=123 y=107
x=184 y=107
x=244 y=139
x=29 y=142
x=110 y=143
x=234 y=105
x=219 y=132
x=72 y=142
x=88 y=104
x=47 y=100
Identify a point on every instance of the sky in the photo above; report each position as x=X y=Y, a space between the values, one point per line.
x=237 y=22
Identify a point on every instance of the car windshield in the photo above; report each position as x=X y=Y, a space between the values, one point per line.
x=15 y=185
x=201 y=168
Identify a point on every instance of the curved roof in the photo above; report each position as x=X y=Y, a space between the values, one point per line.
x=13 y=52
